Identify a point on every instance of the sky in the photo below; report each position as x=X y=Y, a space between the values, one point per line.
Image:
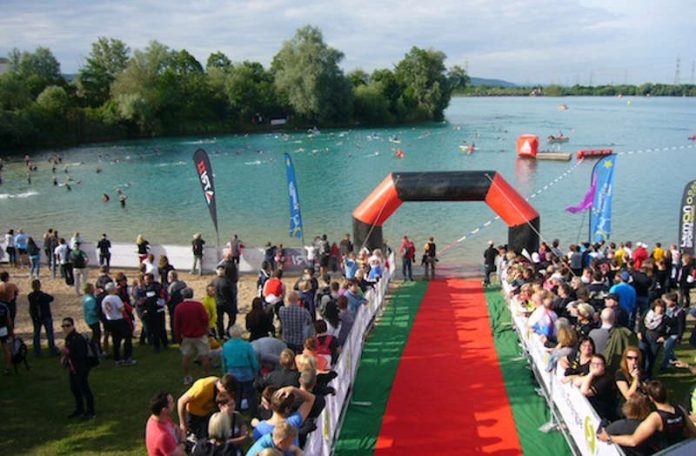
x=522 y=41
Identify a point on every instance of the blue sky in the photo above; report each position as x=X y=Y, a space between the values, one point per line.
x=524 y=41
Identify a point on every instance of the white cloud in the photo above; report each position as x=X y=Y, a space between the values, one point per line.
x=518 y=40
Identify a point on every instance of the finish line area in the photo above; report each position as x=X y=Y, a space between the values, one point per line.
x=441 y=372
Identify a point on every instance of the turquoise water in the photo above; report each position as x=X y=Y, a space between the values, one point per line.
x=337 y=169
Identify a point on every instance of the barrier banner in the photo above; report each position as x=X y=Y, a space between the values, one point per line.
x=205 y=176
x=577 y=417
x=321 y=441
x=600 y=215
x=687 y=213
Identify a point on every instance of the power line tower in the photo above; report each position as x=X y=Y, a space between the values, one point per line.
x=677 y=77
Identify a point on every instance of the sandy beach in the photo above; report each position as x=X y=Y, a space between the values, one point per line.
x=68 y=304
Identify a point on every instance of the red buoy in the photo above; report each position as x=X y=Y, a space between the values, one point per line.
x=591 y=153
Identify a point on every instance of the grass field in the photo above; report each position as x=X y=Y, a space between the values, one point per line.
x=34 y=405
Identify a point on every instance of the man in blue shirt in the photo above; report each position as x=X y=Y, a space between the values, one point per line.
x=627 y=295
x=281 y=439
x=21 y=245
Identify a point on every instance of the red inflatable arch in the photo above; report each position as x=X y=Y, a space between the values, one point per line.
x=488 y=186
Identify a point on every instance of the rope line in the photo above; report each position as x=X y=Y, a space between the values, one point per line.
x=558 y=179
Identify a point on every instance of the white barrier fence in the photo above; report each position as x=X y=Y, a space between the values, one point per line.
x=320 y=442
x=576 y=415
x=180 y=256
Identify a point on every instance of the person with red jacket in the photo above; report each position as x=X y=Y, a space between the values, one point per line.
x=191 y=330
x=640 y=254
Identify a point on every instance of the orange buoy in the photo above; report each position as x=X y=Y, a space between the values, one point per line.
x=591 y=153
x=527 y=146
x=399 y=154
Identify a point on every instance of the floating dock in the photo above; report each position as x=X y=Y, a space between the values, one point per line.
x=557 y=156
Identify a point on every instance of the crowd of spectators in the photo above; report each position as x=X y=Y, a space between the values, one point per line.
x=605 y=312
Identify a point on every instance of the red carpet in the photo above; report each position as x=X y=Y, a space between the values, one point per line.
x=448 y=396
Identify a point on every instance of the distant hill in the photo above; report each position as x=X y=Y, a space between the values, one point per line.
x=491 y=82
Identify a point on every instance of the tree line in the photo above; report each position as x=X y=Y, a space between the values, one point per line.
x=159 y=91
x=647 y=89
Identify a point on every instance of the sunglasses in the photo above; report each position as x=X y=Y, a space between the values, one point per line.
x=66 y=326
x=634 y=358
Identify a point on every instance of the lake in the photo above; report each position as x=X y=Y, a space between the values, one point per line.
x=336 y=169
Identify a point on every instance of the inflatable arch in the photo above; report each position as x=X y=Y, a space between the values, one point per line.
x=488 y=186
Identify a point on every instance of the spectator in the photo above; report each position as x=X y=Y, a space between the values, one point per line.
x=281 y=404
x=75 y=361
x=227 y=431
x=174 y=298
x=79 y=261
x=635 y=409
x=196 y=406
x=408 y=256
x=162 y=436
x=652 y=334
x=104 y=247
x=258 y=322
x=346 y=320
x=285 y=375
x=669 y=424
x=9 y=293
x=40 y=313
x=626 y=294
x=675 y=325
x=600 y=335
x=598 y=387
x=282 y=438
x=116 y=324
x=191 y=331
x=629 y=377
x=198 y=246
x=489 y=257
x=239 y=359
x=355 y=297
x=226 y=293
x=295 y=322
x=91 y=310
x=578 y=364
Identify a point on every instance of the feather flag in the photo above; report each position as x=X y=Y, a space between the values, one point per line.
x=586 y=202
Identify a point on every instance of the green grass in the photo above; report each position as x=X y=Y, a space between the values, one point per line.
x=679 y=381
x=34 y=405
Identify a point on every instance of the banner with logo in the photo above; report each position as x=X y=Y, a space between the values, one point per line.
x=205 y=176
x=687 y=213
x=293 y=200
x=600 y=215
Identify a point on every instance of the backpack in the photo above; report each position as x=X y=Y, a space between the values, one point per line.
x=92 y=351
x=77 y=258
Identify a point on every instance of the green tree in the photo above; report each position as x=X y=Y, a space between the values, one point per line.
x=218 y=60
x=458 y=78
x=38 y=69
x=307 y=74
x=14 y=94
x=54 y=101
x=425 y=88
x=109 y=57
x=359 y=77
x=136 y=89
x=249 y=90
x=371 y=104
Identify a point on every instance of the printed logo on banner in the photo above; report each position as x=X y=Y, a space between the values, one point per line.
x=327 y=424
x=590 y=435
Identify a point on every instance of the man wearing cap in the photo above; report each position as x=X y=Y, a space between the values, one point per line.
x=79 y=260
x=626 y=294
x=489 y=263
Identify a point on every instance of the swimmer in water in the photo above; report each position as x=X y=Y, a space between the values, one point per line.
x=99 y=170
x=55 y=181
x=67 y=187
x=122 y=199
x=105 y=197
